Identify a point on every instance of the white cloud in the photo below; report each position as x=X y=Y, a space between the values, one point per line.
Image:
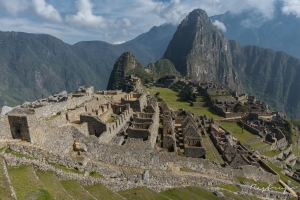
x=85 y=18
x=119 y=42
x=291 y=7
x=14 y=6
x=46 y=11
x=169 y=11
x=220 y=25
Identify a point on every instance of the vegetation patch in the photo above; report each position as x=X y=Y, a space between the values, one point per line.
x=259 y=184
x=52 y=184
x=142 y=193
x=75 y=190
x=271 y=153
x=26 y=184
x=232 y=188
x=67 y=169
x=95 y=174
x=99 y=191
x=17 y=154
x=4 y=184
x=190 y=192
x=243 y=136
x=173 y=100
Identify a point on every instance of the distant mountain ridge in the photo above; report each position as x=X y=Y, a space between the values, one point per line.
x=200 y=51
x=281 y=33
x=34 y=66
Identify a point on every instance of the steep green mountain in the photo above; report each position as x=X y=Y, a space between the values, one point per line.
x=199 y=50
x=281 y=33
x=36 y=65
x=161 y=68
x=127 y=64
x=33 y=65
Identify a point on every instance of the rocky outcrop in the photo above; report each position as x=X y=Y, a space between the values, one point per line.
x=201 y=52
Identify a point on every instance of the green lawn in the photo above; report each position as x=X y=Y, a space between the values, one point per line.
x=275 y=187
x=271 y=153
x=26 y=184
x=52 y=184
x=187 y=193
x=4 y=184
x=236 y=130
x=259 y=145
x=111 y=119
x=76 y=190
x=171 y=98
x=212 y=153
x=283 y=177
x=232 y=188
x=142 y=193
x=100 y=192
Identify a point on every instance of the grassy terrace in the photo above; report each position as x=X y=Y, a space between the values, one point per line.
x=172 y=99
x=274 y=187
x=76 y=190
x=271 y=153
x=236 y=130
x=26 y=184
x=142 y=193
x=244 y=137
x=4 y=184
x=194 y=193
x=212 y=153
x=52 y=184
x=99 y=191
x=283 y=177
x=111 y=119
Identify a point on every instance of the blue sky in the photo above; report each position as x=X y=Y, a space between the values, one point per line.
x=116 y=21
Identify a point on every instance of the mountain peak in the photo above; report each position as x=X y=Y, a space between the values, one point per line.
x=199 y=50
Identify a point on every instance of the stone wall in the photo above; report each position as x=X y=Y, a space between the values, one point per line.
x=95 y=126
x=5 y=132
x=60 y=107
x=195 y=152
x=120 y=123
x=138 y=133
x=51 y=109
x=73 y=115
x=137 y=101
x=19 y=127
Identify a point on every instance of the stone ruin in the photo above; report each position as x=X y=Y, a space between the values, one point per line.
x=122 y=132
x=268 y=131
x=233 y=152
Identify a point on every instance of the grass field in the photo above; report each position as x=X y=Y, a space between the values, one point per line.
x=26 y=184
x=52 y=184
x=76 y=190
x=4 y=184
x=171 y=98
x=142 y=193
x=236 y=130
x=259 y=145
x=283 y=177
x=212 y=153
x=194 y=193
x=271 y=153
x=100 y=192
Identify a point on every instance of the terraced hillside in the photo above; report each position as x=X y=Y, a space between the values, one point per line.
x=28 y=182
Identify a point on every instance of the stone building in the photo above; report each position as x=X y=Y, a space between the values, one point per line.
x=137 y=101
x=267 y=130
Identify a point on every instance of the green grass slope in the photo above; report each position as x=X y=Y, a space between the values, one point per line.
x=26 y=184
